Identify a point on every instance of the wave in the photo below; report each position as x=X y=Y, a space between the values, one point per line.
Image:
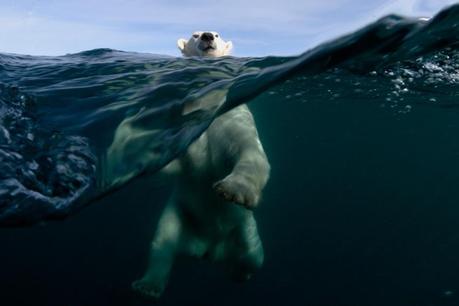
x=76 y=127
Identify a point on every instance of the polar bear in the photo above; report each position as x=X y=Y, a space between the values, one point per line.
x=219 y=183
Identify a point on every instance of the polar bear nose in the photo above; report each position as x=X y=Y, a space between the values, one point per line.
x=207 y=36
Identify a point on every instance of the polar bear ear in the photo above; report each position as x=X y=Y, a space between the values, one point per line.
x=181 y=43
x=228 y=47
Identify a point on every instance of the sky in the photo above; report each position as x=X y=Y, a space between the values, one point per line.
x=256 y=27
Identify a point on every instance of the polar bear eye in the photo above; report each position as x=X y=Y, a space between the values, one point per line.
x=195 y=35
x=216 y=35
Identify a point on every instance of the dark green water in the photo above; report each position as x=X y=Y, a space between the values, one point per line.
x=362 y=204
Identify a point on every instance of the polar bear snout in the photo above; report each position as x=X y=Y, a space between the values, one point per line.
x=207 y=36
x=207 y=42
x=206 y=46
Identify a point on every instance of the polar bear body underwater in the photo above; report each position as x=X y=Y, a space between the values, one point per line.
x=219 y=183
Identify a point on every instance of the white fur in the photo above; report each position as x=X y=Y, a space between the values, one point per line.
x=210 y=213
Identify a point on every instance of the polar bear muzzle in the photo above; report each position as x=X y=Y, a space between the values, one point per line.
x=207 y=42
x=207 y=36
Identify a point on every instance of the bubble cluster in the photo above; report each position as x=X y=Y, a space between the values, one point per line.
x=431 y=79
x=41 y=171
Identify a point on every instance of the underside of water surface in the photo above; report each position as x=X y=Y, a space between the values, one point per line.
x=74 y=128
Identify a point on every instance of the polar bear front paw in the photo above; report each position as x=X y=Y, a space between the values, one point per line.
x=147 y=289
x=238 y=189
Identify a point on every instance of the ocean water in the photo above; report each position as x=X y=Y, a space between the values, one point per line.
x=361 y=133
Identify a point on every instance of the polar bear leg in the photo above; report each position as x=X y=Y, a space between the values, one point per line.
x=162 y=254
x=233 y=137
x=248 y=253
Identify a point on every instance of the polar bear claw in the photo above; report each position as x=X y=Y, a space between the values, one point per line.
x=238 y=190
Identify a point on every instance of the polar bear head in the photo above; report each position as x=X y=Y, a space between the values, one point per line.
x=205 y=44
